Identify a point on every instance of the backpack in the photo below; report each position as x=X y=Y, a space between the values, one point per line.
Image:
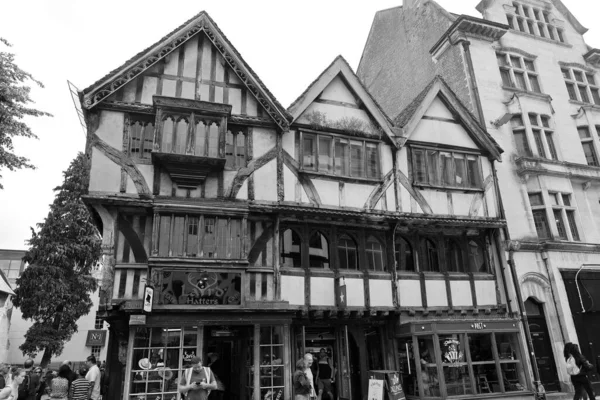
x=24 y=387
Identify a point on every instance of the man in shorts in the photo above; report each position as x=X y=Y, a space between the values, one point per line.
x=325 y=375
x=197 y=381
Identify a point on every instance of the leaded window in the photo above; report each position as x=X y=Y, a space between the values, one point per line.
x=518 y=72
x=434 y=167
x=534 y=21
x=581 y=85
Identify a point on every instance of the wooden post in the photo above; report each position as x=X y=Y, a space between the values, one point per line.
x=256 y=361
x=185 y=234
x=171 y=235
x=244 y=241
x=155 y=233
x=275 y=247
x=200 y=344
x=287 y=366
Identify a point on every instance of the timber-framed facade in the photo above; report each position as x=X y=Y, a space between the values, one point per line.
x=265 y=233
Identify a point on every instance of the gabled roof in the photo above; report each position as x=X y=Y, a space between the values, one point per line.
x=340 y=66
x=408 y=118
x=148 y=57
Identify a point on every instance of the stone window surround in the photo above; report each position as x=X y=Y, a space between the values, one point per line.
x=592 y=139
x=529 y=75
x=548 y=206
x=528 y=128
x=588 y=115
x=590 y=88
x=547 y=27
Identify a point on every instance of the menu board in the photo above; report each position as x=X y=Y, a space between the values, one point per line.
x=389 y=381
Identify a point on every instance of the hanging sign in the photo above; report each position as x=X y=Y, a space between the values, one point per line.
x=375 y=389
x=95 y=338
x=342 y=298
x=148 y=298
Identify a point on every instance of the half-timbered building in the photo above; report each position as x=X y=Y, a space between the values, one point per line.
x=234 y=226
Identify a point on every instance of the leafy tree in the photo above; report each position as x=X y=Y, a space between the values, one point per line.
x=54 y=291
x=14 y=106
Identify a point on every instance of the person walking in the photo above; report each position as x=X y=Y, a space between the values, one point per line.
x=44 y=390
x=59 y=387
x=80 y=387
x=72 y=374
x=300 y=381
x=308 y=360
x=11 y=391
x=577 y=368
x=93 y=376
x=197 y=381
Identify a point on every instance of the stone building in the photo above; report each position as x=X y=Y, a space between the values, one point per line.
x=526 y=73
x=234 y=226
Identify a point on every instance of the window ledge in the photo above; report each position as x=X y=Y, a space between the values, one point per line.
x=322 y=175
x=543 y=39
x=453 y=188
x=584 y=104
x=528 y=93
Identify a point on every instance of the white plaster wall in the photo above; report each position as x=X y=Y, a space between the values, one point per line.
x=289 y=184
x=355 y=292
x=461 y=203
x=337 y=90
x=288 y=141
x=380 y=293
x=263 y=141
x=436 y=293
x=265 y=182
x=110 y=128
x=243 y=192
x=357 y=194
x=438 y=109
x=385 y=157
x=328 y=191
x=105 y=175
x=322 y=291
x=437 y=199
x=461 y=293
x=486 y=293
x=409 y=293
x=441 y=132
x=292 y=289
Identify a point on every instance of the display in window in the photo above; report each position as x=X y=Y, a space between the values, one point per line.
x=429 y=372
x=454 y=365
x=200 y=288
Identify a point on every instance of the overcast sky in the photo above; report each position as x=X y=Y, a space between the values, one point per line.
x=287 y=43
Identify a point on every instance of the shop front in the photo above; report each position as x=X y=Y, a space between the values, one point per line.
x=477 y=359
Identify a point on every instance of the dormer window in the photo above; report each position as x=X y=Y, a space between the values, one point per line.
x=336 y=155
x=448 y=169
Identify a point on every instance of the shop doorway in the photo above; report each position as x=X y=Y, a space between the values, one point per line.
x=541 y=345
x=226 y=350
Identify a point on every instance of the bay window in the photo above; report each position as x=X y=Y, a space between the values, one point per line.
x=433 y=167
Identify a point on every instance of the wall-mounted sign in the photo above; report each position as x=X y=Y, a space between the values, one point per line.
x=137 y=319
x=478 y=325
x=96 y=338
x=133 y=305
x=205 y=288
x=148 y=298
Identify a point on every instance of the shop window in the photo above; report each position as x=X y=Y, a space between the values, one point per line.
x=375 y=255
x=271 y=362
x=429 y=378
x=484 y=365
x=318 y=251
x=404 y=255
x=291 y=249
x=454 y=365
x=430 y=262
x=510 y=368
x=347 y=253
x=141 y=135
x=159 y=357
x=408 y=367
x=432 y=167
x=454 y=259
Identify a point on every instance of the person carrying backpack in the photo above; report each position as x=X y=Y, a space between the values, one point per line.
x=28 y=388
x=578 y=368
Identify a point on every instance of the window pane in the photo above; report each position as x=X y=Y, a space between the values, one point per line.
x=375 y=257
x=148 y=140
x=560 y=224
x=584 y=132
x=135 y=138
x=520 y=80
x=480 y=345
x=516 y=62
x=341 y=157
x=517 y=9
x=583 y=93
x=573 y=225
x=325 y=160
x=505 y=75
x=571 y=90
x=181 y=133
x=460 y=169
x=474 y=171
x=501 y=58
x=167 y=135
x=404 y=255
x=229 y=149
x=521 y=143
x=551 y=147
x=419 y=172
x=546 y=17
x=536 y=199
x=529 y=65
x=291 y=249
x=454 y=262
x=595 y=96
x=372 y=161
x=309 y=149
x=530 y=27
x=561 y=37
x=533 y=119
x=516 y=121
x=590 y=79
x=535 y=84
x=347 y=251
x=477 y=261
x=356 y=159
x=545 y=121
x=433 y=170
x=537 y=135
x=429 y=372
x=431 y=260
x=213 y=140
x=521 y=24
x=551 y=32
x=447 y=169
x=541 y=30
x=456 y=372
x=553 y=198
x=590 y=154
x=192 y=237
x=240 y=150
x=566 y=198
x=578 y=75
x=318 y=251
x=511 y=22
x=541 y=224
x=200 y=140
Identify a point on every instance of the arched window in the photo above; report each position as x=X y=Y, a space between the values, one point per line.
x=291 y=249
x=318 y=251
x=454 y=259
x=477 y=259
x=404 y=255
x=431 y=262
x=200 y=139
x=180 y=136
x=347 y=252
x=375 y=255
x=168 y=126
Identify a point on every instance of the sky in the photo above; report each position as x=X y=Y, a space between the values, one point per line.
x=288 y=44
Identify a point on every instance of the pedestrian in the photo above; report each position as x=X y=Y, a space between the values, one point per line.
x=59 y=387
x=4 y=371
x=325 y=375
x=578 y=367
x=11 y=392
x=300 y=381
x=93 y=376
x=72 y=374
x=216 y=367
x=308 y=360
x=80 y=387
x=197 y=381
x=44 y=390
x=28 y=388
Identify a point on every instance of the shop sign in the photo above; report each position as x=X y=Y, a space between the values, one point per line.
x=137 y=320
x=451 y=351
x=148 y=298
x=478 y=325
x=96 y=338
x=375 y=389
x=204 y=288
x=394 y=388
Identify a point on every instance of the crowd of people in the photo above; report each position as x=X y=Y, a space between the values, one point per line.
x=35 y=383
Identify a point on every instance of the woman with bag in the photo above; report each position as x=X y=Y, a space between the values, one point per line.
x=577 y=368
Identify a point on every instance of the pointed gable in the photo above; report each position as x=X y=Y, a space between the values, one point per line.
x=216 y=60
x=339 y=94
x=438 y=102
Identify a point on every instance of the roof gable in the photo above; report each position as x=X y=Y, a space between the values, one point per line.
x=149 y=57
x=411 y=116
x=327 y=88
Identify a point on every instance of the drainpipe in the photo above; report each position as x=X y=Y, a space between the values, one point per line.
x=545 y=258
